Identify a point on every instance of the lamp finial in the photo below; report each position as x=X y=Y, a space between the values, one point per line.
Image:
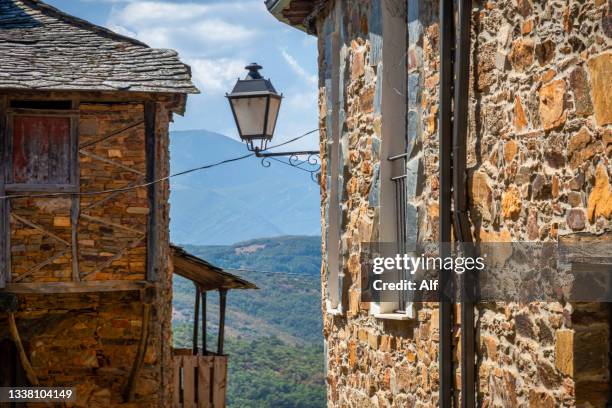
x=253 y=69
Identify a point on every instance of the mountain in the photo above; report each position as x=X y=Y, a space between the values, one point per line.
x=273 y=334
x=236 y=201
x=287 y=272
x=292 y=254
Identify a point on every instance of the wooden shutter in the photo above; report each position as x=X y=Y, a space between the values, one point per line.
x=41 y=150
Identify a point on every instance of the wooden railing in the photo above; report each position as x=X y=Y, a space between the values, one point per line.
x=199 y=381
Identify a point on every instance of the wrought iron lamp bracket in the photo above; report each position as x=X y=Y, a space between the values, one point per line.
x=311 y=164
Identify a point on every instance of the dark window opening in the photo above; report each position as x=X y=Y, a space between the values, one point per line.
x=48 y=105
x=41 y=150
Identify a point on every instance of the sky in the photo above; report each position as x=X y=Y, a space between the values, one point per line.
x=218 y=39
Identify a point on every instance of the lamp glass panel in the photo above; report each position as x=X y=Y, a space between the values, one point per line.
x=250 y=113
x=272 y=115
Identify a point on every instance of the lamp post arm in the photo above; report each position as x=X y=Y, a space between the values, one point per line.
x=310 y=165
x=260 y=153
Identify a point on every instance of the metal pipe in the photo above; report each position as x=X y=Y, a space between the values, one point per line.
x=445 y=219
x=462 y=224
x=609 y=403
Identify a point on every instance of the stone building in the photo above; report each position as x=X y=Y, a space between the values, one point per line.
x=85 y=260
x=536 y=106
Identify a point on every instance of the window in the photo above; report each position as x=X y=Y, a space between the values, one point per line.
x=40 y=150
x=394 y=156
x=41 y=147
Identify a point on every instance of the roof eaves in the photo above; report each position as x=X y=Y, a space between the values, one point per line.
x=186 y=255
x=277 y=7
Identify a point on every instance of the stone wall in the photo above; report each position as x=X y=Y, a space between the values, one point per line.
x=89 y=341
x=370 y=361
x=539 y=153
x=115 y=224
x=540 y=146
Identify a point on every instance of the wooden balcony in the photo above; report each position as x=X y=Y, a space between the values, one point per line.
x=199 y=380
x=200 y=376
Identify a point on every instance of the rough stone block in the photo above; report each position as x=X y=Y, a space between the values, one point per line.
x=552 y=109
x=600 y=68
x=564 y=351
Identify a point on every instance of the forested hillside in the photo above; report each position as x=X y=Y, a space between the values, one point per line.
x=274 y=334
x=293 y=254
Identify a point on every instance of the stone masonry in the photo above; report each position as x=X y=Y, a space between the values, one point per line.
x=90 y=341
x=539 y=160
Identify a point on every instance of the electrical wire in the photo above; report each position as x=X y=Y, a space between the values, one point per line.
x=149 y=183
x=303 y=275
x=294 y=139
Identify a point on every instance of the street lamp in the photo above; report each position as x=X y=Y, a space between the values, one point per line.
x=255 y=105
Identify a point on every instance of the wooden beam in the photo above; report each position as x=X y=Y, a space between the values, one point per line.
x=196 y=319
x=89 y=96
x=112 y=134
x=219 y=381
x=177 y=363
x=150 y=113
x=75 y=178
x=7 y=242
x=117 y=256
x=41 y=188
x=128 y=392
x=189 y=381
x=111 y=224
x=205 y=366
x=23 y=357
x=44 y=112
x=75 y=287
x=74 y=235
x=4 y=226
x=41 y=265
x=39 y=228
x=110 y=196
x=222 y=304
x=111 y=162
x=203 y=294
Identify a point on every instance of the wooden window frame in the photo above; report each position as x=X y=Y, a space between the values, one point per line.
x=335 y=283
x=394 y=156
x=7 y=140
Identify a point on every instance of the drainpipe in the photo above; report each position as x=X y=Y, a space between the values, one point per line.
x=445 y=220
x=609 y=403
x=462 y=223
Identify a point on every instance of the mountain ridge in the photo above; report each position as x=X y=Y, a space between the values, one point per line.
x=237 y=201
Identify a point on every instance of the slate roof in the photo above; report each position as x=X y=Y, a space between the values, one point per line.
x=43 y=48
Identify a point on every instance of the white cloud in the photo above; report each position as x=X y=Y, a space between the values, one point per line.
x=109 y=1
x=217 y=38
x=302 y=100
x=215 y=75
x=299 y=70
x=190 y=28
x=122 y=30
x=145 y=12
